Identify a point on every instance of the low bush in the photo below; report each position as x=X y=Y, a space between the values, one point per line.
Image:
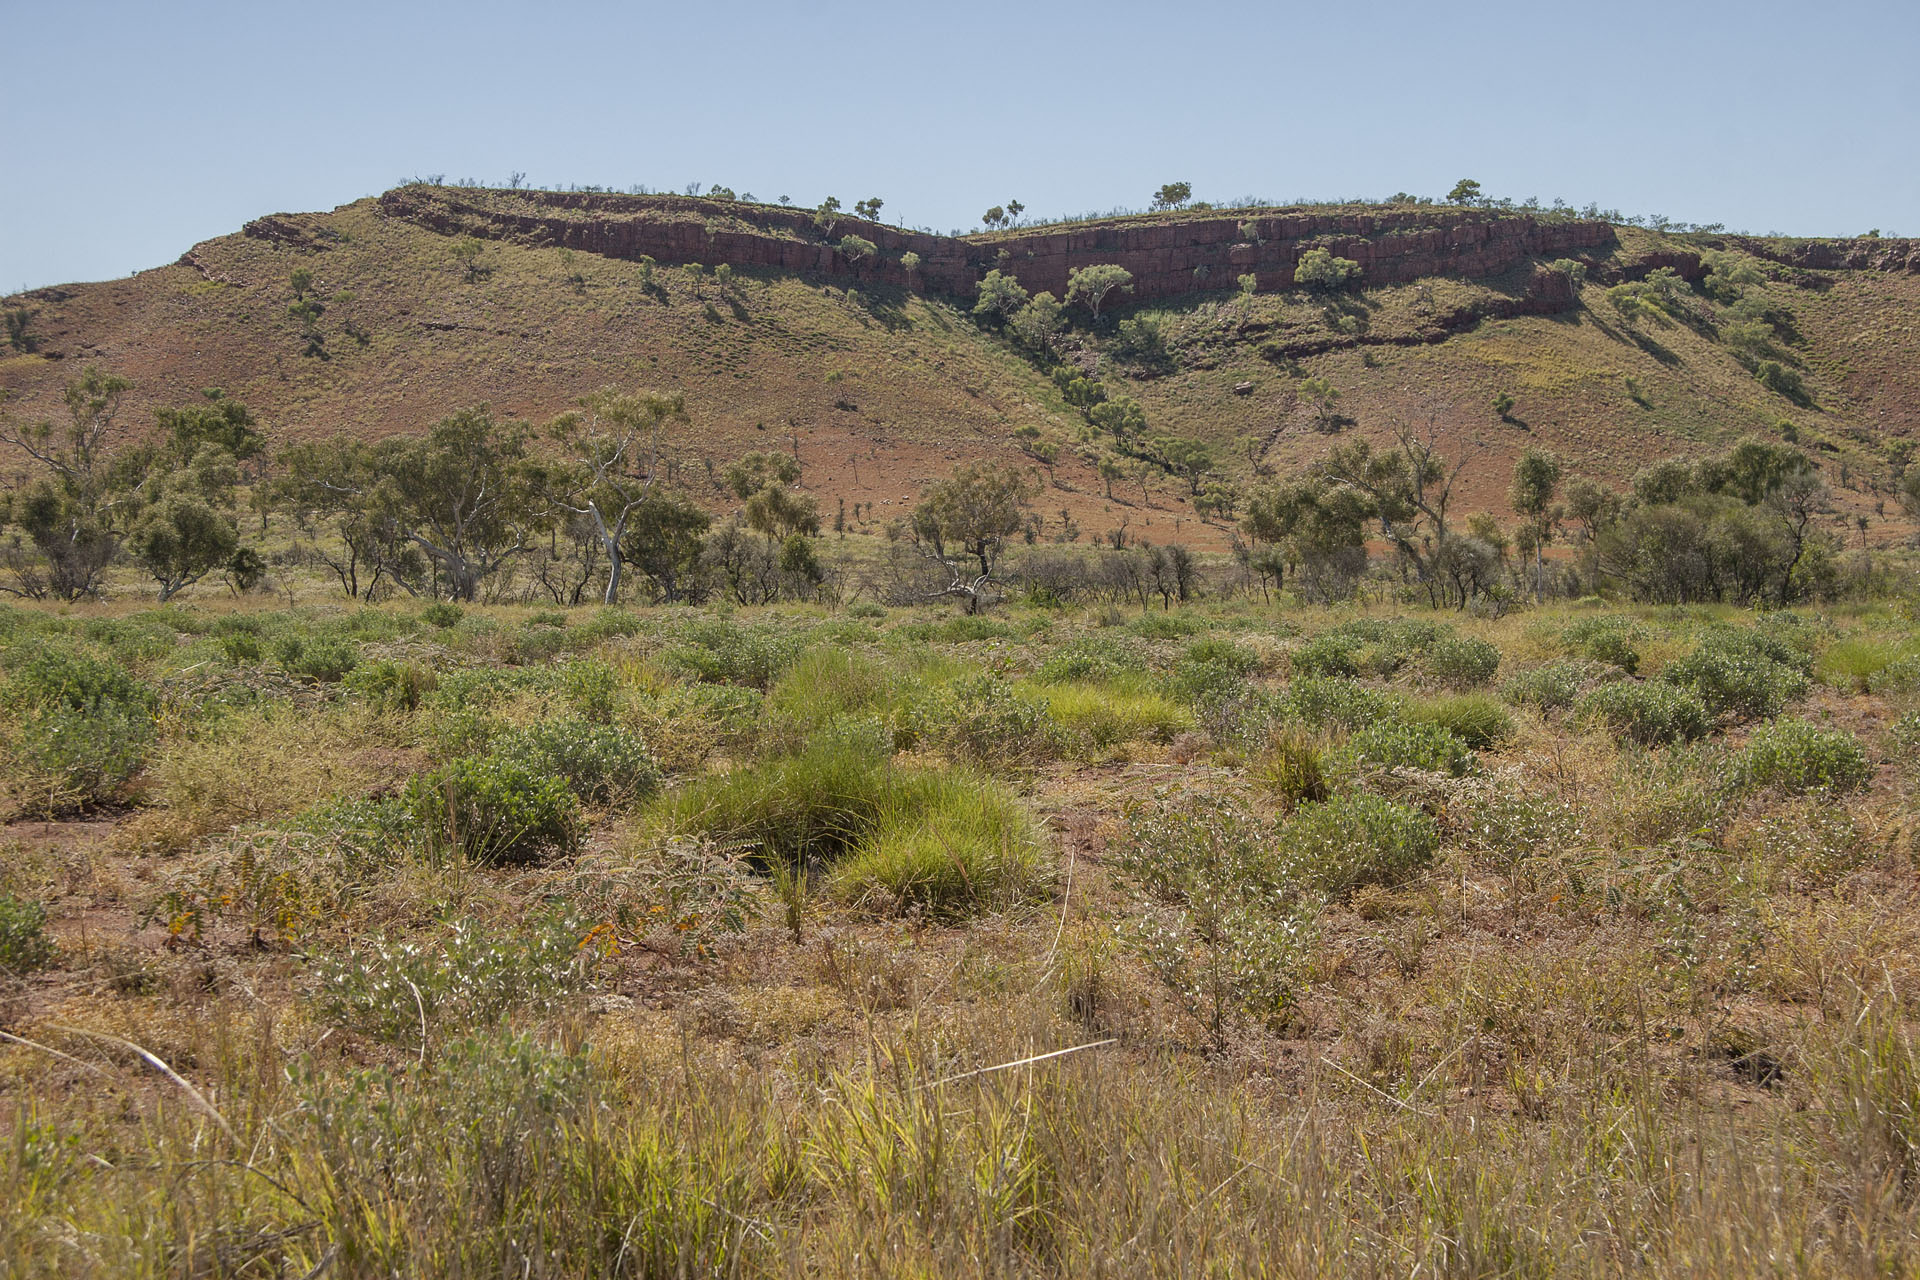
x=1214 y=923
x=322 y=659
x=24 y=944
x=493 y=810
x=1650 y=713
x=1477 y=719
x=442 y=614
x=1393 y=744
x=474 y=977
x=1792 y=755
x=1331 y=654
x=983 y=720
x=1461 y=662
x=600 y=763
x=1334 y=702
x=1353 y=840
x=1095 y=657
x=1740 y=673
x=719 y=651
x=1556 y=685
x=1607 y=638
x=82 y=727
x=393 y=685
x=1213 y=668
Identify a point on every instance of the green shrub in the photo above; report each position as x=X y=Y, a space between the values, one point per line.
x=131 y=640
x=1792 y=755
x=1334 y=702
x=1166 y=626
x=1353 y=840
x=592 y=687
x=493 y=810
x=1905 y=737
x=1212 y=668
x=866 y=609
x=1393 y=744
x=1096 y=657
x=1557 y=685
x=720 y=651
x=24 y=944
x=443 y=614
x=322 y=659
x=1461 y=662
x=59 y=674
x=474 y=977
x=1331 y=654
x=984 y=720
x=1213 y=922
x=1740 y=673
x=82 y=727
x=393 y=685
x=1477 y=719
x=1608 y=638
x=1649 y=713
x=600 y=763
x=239 y=648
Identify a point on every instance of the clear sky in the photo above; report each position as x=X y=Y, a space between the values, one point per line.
x=133 y=130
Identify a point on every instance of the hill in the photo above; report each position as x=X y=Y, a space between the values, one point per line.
x=874 y=373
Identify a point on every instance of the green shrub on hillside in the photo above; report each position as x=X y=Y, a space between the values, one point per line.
x=1651 y=714
x=24 y=944
x=1392 y=744
x=1352 y=840
x=1461 y=662
x=1094 y=657
x=1608 y=638
x=1740 y=673
x=1792 y=755
x=492 y=811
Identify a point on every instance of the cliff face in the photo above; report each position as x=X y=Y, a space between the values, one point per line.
x=1170 y=256
x=1859 y=254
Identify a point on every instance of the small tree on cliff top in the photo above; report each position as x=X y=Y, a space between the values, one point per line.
x=1091 y=286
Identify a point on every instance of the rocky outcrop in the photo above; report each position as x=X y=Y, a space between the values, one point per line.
x=1864 y=253
x=1169 y=255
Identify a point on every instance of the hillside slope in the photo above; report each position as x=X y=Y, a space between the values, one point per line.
x=879 y=379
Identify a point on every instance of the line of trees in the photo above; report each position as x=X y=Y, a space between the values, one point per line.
x=589 y=506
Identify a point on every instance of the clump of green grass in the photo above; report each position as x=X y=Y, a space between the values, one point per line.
x=83 y=726
x=1100 y=716
x=1094 y=657
x=947 y=842
x=1477 y=719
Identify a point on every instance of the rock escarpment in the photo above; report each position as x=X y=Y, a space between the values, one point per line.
x=1168 y=255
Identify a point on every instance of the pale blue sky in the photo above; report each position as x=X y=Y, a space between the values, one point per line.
x=133 y=130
